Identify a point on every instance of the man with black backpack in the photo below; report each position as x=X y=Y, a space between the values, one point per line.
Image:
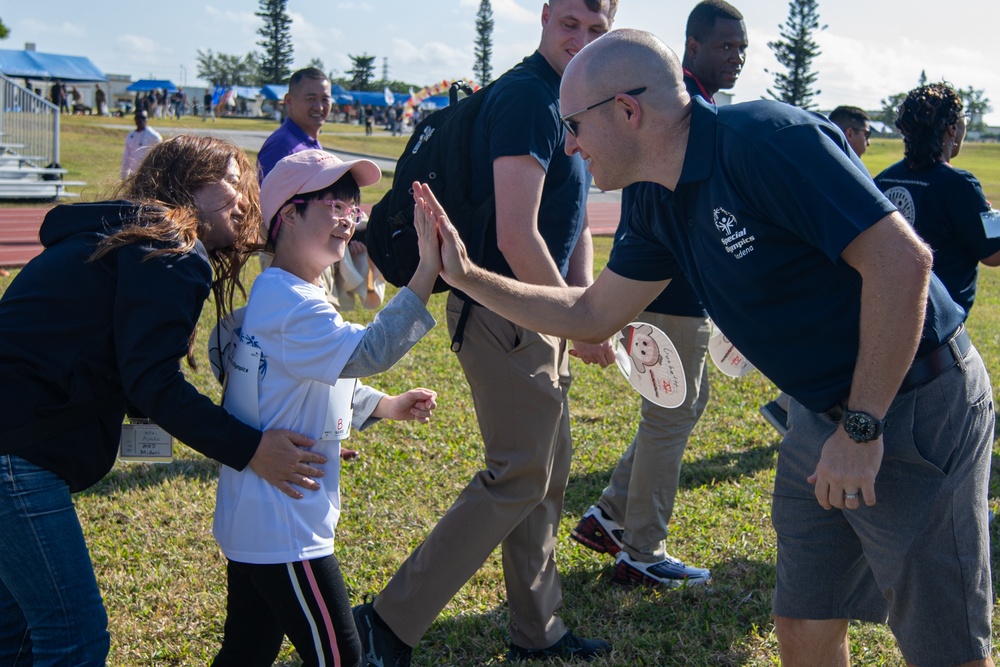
x=519 y=379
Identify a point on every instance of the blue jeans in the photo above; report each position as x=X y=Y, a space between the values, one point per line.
x=51 y=612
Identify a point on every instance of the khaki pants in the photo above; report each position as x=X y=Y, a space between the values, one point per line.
x=640 y=495
x=519 y=381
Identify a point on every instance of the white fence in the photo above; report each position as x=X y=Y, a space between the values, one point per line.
x=29 y=126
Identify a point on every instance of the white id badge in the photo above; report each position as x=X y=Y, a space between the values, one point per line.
x=144 y=441
x=338 y=418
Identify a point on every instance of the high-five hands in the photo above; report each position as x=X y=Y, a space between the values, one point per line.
x=428 y=212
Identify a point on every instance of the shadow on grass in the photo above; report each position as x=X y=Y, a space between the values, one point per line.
x=722 y=623
x=127 y=477
x=584 y=490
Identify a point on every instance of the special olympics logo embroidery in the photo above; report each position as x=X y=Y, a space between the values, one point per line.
x=903 y=200
x=724 y=221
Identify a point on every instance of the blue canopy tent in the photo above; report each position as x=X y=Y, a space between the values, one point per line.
x=276 y=92
x=378 y=99
x=341 y=96
x=34 y=65
x=144 y=85
x=34 y=136
x=434 y=102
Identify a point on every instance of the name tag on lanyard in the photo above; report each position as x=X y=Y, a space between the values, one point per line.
x=338 y=417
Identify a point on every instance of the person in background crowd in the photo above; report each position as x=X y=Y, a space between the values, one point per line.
x=630 y=520
x=207 y=109
x=137 y=143
x=856 y=125
x=944 y=204
x=307 y=105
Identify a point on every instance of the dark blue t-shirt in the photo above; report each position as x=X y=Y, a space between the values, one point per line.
x=768 y=199
x=948 y=209
x=521 y=117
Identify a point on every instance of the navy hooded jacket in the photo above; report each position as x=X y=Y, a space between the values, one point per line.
x=73 y=331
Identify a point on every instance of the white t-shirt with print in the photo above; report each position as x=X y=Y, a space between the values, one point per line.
x=304 y=345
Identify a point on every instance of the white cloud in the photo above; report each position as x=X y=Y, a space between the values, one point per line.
x=140 y=50
x=244 y=21
x=42 y=28
x=508 y=10
x=312 y=40
x=428 y=61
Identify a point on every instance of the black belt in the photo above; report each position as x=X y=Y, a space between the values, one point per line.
x=926 y=368
x=937 y=361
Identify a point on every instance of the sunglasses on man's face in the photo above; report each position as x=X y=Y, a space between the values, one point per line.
x=571 y=125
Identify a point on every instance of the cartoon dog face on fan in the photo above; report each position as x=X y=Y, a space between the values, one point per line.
x=641 y=347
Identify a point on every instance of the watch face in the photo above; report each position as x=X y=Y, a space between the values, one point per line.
x=860 y=426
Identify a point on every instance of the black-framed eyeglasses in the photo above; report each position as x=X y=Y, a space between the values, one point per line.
x=571 y=125
x=861 y=130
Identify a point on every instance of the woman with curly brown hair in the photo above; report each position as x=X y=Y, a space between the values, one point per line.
x=945 y=205
x=96 y=323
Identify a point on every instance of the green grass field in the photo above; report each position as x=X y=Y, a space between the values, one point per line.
x=163 y=578
x=91 y=148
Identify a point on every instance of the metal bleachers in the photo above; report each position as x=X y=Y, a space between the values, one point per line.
x=29 y=146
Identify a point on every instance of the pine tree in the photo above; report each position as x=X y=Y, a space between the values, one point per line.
x=795 y=52
x=4 y=32
x=276 y=62
x=483 y=70
x=362 y=72
x=976 y=104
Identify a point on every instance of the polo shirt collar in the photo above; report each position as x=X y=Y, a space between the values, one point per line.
x=292 y=128
x=700 y=153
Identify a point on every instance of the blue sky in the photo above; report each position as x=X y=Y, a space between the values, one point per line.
x=871 y=48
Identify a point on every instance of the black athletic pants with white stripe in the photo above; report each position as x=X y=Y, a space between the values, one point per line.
x=306 y=600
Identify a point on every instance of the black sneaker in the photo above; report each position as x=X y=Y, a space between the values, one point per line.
x=569 y=647
x=776 y=416
x=381 y=645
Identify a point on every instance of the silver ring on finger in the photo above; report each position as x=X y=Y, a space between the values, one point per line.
x=851 y=496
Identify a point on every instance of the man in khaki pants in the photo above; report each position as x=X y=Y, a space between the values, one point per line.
x=519 y=378
x=630 y=520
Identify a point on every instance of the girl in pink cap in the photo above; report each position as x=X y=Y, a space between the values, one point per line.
x=294 y=362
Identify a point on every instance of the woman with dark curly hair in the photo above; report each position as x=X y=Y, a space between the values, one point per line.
x=944 y=204
x=97 y=322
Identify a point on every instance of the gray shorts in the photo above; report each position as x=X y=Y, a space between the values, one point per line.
x=919 y=558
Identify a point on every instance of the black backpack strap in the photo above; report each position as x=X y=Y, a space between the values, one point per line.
x=459 y=337
x=43 y=429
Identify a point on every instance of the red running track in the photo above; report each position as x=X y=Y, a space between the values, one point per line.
x=19 y=230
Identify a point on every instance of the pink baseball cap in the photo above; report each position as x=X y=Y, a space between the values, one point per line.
x=309 y=171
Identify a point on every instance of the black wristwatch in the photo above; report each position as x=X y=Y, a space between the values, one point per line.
x=861 y=426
